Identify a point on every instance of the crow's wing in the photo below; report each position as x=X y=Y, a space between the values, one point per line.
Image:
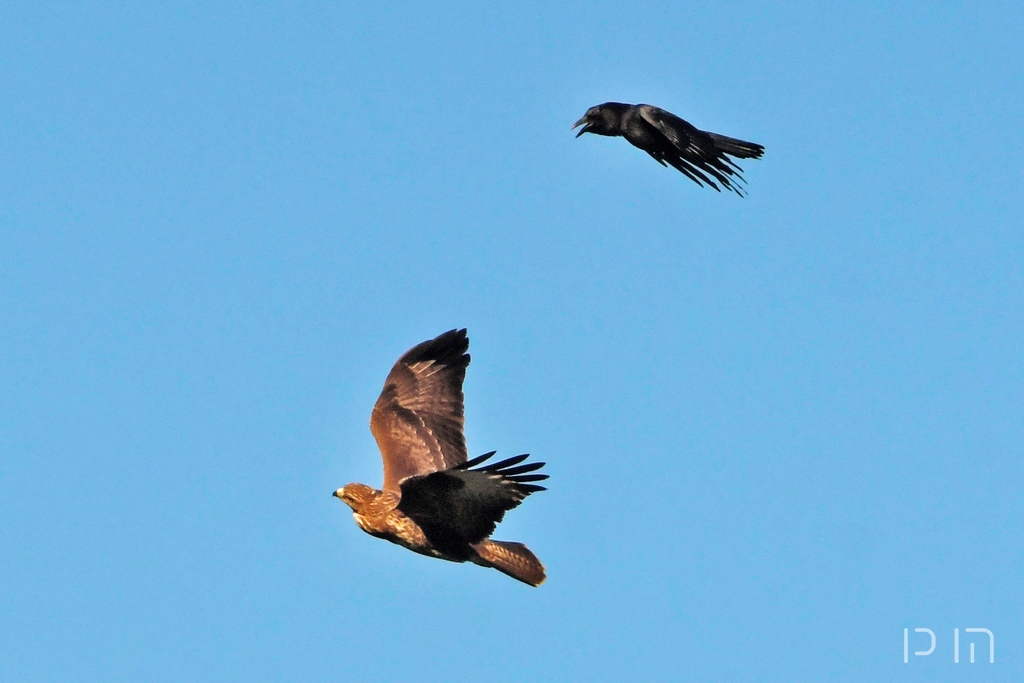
x=683 y=135
x=701 y=154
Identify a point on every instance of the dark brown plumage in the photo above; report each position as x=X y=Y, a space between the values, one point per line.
x=701 y=156
x=435 y=501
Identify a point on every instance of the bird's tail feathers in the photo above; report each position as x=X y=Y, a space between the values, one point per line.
x=737 y=148
x=514 y=559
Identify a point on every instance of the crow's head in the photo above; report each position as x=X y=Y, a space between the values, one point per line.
x=604 y=119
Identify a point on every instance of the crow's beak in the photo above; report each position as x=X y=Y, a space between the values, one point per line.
x=581 y=122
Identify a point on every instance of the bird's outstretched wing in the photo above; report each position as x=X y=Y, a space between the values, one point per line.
x=701 y=155
x=461 y=506
x=418 y=418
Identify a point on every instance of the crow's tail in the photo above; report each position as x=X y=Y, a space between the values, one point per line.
x=737 y=148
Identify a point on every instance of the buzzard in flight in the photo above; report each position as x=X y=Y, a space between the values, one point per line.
x=435 y=501
x=701 y=156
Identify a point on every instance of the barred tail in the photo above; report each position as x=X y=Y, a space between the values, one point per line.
x=514 y=559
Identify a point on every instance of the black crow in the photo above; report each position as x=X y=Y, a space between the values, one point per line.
x=699 y=155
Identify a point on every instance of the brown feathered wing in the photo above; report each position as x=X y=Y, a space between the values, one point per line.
x=418 y=418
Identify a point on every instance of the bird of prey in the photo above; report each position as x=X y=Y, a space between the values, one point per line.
x=435 y=501
x=701 y=156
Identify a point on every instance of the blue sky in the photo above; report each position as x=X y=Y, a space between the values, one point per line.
x=780 y=429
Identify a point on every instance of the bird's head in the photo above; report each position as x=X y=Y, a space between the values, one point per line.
x=356 y=496
x=604 y=119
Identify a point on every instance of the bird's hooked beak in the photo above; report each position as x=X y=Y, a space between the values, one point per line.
x=585 y=122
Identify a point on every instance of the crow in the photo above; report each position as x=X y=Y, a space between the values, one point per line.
x=699 y=155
